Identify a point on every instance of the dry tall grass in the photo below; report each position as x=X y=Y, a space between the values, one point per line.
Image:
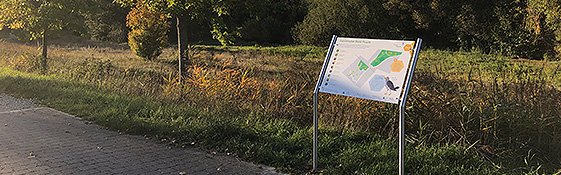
x=507 y=109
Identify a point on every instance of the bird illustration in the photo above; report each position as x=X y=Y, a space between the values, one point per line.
x=390 y=85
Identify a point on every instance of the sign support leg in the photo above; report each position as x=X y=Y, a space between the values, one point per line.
x=315 y=151
x=315 y=159
x=401 y=139
x=402 y=103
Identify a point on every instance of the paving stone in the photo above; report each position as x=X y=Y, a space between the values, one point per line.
x=41 y=140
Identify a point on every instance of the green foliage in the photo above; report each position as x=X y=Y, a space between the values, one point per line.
x=230 y=21
x=39 y=16
x=106 y=21
x=148 y=32
x=543 y=20
x=511 y=38
x=520 y=28
x=220 y=32
x=264 y=21
x=213 y=10
x=358 y=18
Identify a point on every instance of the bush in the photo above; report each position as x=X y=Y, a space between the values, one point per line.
x=105 y=21
x=358 y=18
x=148 y=31
x=265 y=21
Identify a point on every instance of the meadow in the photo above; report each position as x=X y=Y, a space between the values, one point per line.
x=469 y=113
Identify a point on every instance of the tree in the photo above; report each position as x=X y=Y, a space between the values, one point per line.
x=181 y=10
x=517 y=28
x=358 y=18
x=543 y=21
x=148 y=34
x=264 y=21
x=105 y=21
x=39 y=18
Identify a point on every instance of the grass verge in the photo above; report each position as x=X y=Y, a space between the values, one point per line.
x=486 y=112
x=276 y=142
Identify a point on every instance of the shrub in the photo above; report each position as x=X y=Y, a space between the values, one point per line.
x=265 y=21
x=358 y=18
x=148 y=31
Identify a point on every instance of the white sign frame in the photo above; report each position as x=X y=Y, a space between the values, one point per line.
x=401 y=101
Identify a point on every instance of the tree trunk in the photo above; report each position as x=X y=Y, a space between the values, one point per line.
x=182 y=44
x=44 y=52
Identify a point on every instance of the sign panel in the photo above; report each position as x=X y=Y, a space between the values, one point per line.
x=367 y=68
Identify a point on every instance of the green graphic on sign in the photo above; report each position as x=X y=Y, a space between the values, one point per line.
x=384 y=54
x=362 y=66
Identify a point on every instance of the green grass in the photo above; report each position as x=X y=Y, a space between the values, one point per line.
x=475 y=66
x=278 y=143
x=469 y=113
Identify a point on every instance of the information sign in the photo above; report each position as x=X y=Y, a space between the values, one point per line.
x=368 y=68
x=373 y=69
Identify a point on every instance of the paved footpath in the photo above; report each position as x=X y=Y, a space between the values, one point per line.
x=41 y=140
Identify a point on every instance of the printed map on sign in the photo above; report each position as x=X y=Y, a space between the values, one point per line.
x=367 y=68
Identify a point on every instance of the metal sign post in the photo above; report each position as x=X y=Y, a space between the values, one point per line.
x=316 y=91
x=353 y=67
x=402 y=103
